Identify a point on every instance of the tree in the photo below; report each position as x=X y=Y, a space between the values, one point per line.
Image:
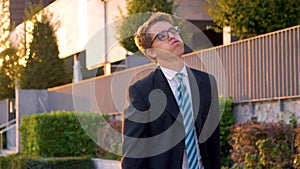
x=8 y=72
x=5 y=90
x=127 y=26
x=4 y=24
x=43 y=67
x=255 y=17
x=8 y=55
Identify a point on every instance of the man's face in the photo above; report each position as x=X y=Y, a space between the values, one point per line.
x=166 y=41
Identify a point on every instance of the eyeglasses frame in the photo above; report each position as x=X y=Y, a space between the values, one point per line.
x=156 y=36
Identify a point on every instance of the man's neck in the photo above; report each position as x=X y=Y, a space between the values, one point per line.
x=175 y=65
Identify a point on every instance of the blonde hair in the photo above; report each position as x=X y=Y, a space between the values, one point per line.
x=142 y=37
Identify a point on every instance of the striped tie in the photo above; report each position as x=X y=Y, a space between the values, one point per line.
x=184 y=104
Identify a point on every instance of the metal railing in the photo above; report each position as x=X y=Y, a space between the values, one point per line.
x=6 y=126
x=259 y=68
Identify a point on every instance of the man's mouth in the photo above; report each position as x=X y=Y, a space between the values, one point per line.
x=174 y=42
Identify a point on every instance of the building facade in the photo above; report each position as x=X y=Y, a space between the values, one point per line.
x=17 y=8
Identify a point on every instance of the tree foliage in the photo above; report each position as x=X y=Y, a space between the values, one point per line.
x=8 y=56
x=4 y=24
x=43 y=68
x=255 y=17
x=129 y=22
x=8 y=72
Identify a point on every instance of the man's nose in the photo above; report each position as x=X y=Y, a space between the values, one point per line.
x=171 y=35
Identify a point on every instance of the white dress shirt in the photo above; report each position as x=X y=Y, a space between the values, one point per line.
x=173 y=81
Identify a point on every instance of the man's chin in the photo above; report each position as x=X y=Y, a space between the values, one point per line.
x=178 y=53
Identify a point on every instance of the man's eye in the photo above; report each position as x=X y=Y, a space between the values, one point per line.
x=162 y=36
x=172 y=30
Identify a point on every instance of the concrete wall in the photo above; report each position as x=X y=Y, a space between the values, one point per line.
x=60 y=101
x=80 y=98
x=4 y=111
x=268 y=111
x=133 y=61
x=32 y=102
x=191 y=9
x=29 y=102
x=11 y=139
x=41 y=101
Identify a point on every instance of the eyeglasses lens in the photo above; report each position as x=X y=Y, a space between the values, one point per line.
x=164 y=34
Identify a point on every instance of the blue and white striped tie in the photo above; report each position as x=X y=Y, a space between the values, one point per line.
x=184 y=104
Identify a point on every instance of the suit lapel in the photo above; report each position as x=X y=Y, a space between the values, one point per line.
x=195 y=85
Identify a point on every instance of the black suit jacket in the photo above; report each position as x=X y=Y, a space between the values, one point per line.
x=153 y=129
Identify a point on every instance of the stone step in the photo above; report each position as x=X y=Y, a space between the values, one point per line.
x=106 y=164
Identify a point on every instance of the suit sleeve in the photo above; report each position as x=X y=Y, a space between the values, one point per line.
x=214 y=117
x=134 y=129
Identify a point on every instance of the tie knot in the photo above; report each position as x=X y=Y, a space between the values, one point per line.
x=179 y=76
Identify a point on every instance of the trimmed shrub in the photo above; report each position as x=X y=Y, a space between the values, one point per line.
x=227 y=121
x=59 y=134
x=262 y=145
x=61 y=163
x=21 y=162
x=112 y=142
x=9 y=163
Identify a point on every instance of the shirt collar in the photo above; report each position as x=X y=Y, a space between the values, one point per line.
x=170 y=74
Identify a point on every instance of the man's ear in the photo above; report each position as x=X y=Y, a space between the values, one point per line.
x=151 y=53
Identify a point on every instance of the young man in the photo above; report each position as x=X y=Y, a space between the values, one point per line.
x=169 y=121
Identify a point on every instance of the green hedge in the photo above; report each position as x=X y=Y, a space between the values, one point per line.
x=226 y=122
x=21 y=162
x=59 y=134
x=8 y=163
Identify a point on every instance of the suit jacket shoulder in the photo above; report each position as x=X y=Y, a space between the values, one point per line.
x=145 y=83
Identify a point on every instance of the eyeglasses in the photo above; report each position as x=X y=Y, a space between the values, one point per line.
x=163 y=35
